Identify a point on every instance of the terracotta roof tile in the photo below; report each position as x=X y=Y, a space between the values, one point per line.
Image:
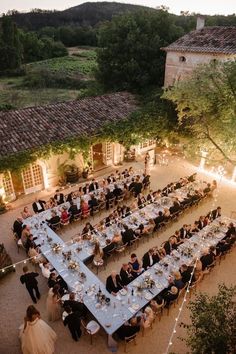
x=218 y=40
x=33 y=127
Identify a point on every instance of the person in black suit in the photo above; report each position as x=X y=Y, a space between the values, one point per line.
x=184 y=231
x=93 y=203
x=31 y=284
x=215 y=213
x=138 y=186
x=132 y=184
x=110 y=246
x=86 y=188
x=201 y=223
x=147 y=259
x=55 y=219
x=207 y=259
x=75 y=306
x=59 y=197
x=159 y=219
x=109 y=196
x=38 y=206
x=128 y=329
x=128 y=235
x=185 y=272
x=169 y=245
x=117 y=191
x=73 y=210
x=93 y=185
x=57 y=279
x=125 y=274
x=175 y=207
x=231 y=230
x=73 y=321
x=114 y=283
x=146 y=180
x=17 y=227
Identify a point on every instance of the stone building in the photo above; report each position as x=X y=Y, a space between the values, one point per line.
x=200 y=46
x=32 y=128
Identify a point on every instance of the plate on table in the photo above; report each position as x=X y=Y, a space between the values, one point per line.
x=135 y=307
x=123 y=292
x=147 y=274
x=136 y=283
x=148 y=296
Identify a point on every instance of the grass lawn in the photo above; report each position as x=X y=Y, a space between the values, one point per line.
x=12 y=90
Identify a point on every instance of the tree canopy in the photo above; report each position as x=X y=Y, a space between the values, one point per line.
x=206 y=106
x=130 y=56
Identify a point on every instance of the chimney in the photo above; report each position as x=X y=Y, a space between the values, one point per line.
x=200 y=22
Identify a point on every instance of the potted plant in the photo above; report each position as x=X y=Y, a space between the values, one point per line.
x=71 y=173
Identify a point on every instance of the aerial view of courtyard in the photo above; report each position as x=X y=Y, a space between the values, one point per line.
x=117 y=177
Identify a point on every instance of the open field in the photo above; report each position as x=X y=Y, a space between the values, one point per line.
x=80 y=65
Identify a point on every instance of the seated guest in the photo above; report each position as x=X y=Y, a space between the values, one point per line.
x=206 y=221
x=75 y=305
x=88 y=228
x=135 y=265
x=73 y=210
x=149 y=227
x=128 y=329
x=84 y=207
x=70 y=197
x=93 y=203
x=231 y=230
x=201 y=222
x=126 y=274
x=30 y=242
x=127 y=235
x=64 y=214
x=59 y=197
x=45 y=268
x=126 y=211
x=185 y=272
x=207 y=259
x=55 y=219
x=34 y=254
x=51 y=203
x=26 y=213
x=215 y=213
x=169 y=245
x=177 y=280
x=141 y=201
x=98 y=255
x=93 y=185
x=117 y=239
x=175 y=207
x=178 y=239
x=184 y=231
x=159 y=219
x=73 y=321
x=147 y=318
x=150 y=196
x=197 y=269
x=114 y=283
x=170 y=295
x=109 y=196
x=110 y=246
x=166 y=213
x=25 y=234
x=85 y=189
x=38 y=206
x=17 y=227
x=117 y=191
x=111 y=178
x=147 y=259
x=195 y=228
x=156 y=255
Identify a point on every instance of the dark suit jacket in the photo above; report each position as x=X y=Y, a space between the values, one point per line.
x=73 y=321
x=167 y=247
x=17 y=228
x=127 y=236
x=35 y=207
x=215 y=214
x=76 y=306
x=59 y=200
x=126 y=277
x=146 y=260
x=138 y=188
x=93 y=186
x=29 y=280
x=86 y=190
x=110 y=286
x=54 y=220
x=73 y=210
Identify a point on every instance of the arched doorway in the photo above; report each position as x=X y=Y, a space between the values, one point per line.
x=98 y=160
x=32 y=178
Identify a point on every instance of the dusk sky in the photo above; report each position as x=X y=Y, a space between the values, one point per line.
x=200 y=6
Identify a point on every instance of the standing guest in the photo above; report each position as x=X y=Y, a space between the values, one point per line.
x=17 y=227
x=38 y=205
x=132 y=184
x=73 y=321
x=26 y=213
x=31 y=284
x=59 y=197
x=75 y=305
x=53 y=303
x=114 y=283
x=147 y=163
x=93 y=185
x=117 y=191
x=35 y=334
x=147 y=259
x=138 y=186
x=126 y=274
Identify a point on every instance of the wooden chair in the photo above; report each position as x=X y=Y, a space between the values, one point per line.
x=18 y=242
x=102 y=206
x=77 y=217
x=96 y=210
x=91 y=328
x=159 y=311
x=85 y=215
x=129 y=340
x=111 y=203
x=120 y=249
x=98 y=265
x=65 y=222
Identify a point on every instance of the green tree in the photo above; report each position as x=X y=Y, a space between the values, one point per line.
x=206 y=106
x=213 y=323
x=10 y=45
x=130 y=56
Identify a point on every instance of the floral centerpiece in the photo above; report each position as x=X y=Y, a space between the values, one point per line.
x=73 y=265
x=67 y=255
x=147 y=283
x=56 y=247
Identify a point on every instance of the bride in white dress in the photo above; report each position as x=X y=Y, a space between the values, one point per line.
x=35 y=335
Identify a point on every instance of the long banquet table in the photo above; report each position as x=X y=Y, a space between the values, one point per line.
x=127 y=303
